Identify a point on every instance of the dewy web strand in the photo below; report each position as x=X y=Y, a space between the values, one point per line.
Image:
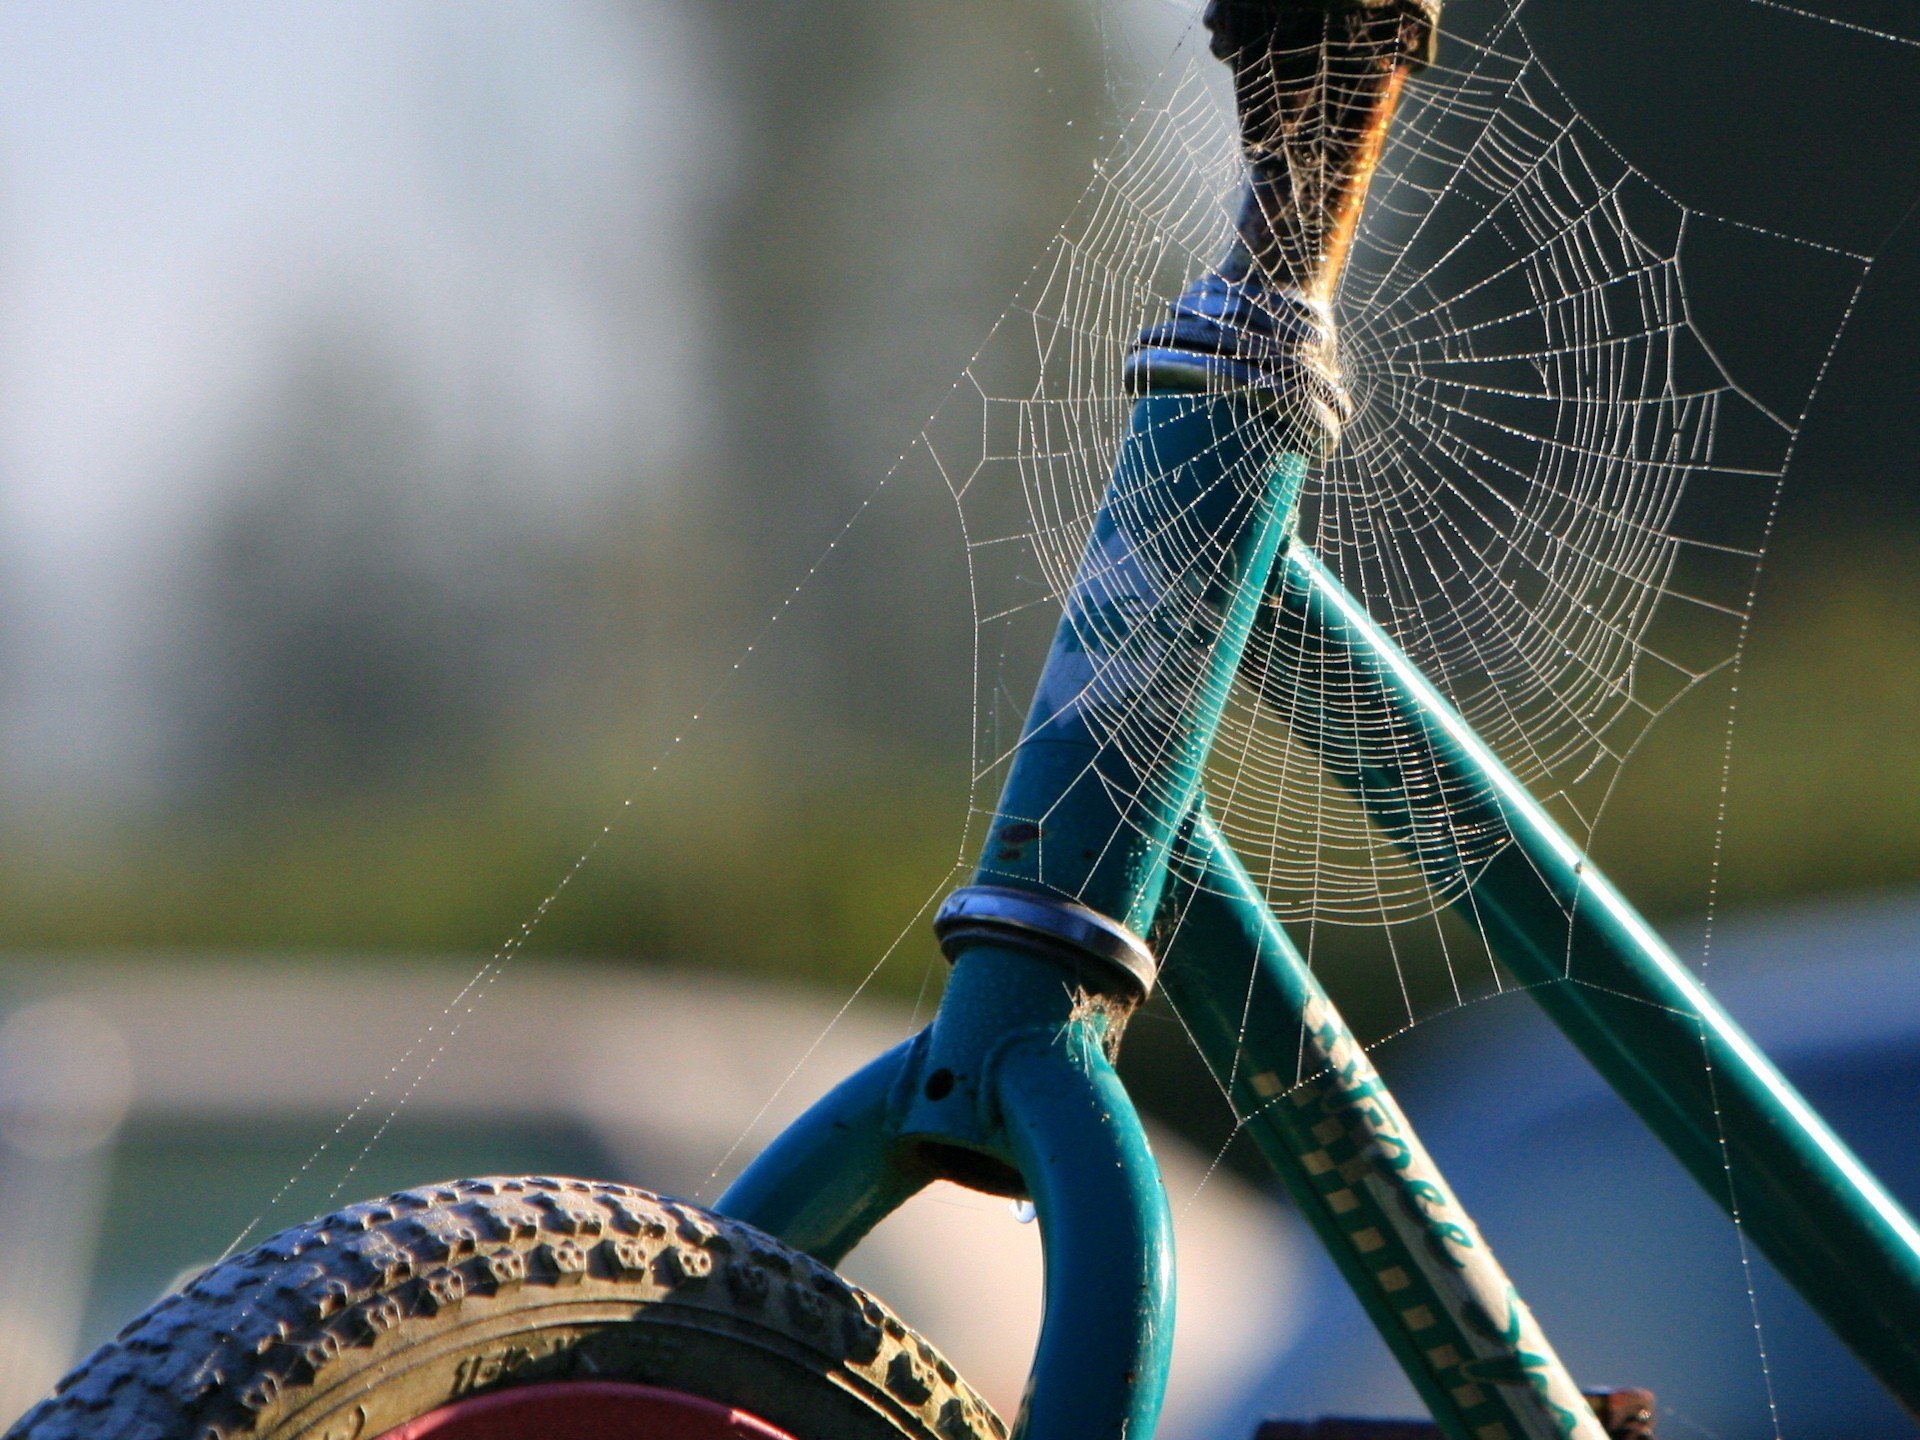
x=1508 y=499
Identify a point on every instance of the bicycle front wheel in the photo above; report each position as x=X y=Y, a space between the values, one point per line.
x=510 y=1309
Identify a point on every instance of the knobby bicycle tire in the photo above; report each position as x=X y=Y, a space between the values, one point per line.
x=345 y=1327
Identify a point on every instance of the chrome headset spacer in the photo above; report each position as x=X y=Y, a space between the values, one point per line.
x=1099 y=948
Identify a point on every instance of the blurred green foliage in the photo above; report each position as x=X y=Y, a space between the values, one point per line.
x=718 y=864
x=749 y=852
x=1821 y=770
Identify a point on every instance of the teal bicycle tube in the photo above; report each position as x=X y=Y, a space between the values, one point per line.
x=1618 y=992
x=835 y=1173
x=1106 y=1339
x=1143 y=659
x=1045 y=946
x=1324 y=1120
x=1010 y=1091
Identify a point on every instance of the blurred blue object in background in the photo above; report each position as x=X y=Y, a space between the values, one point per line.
x=1632 y=1269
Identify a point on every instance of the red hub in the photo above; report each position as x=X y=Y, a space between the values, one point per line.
x=586 y=1410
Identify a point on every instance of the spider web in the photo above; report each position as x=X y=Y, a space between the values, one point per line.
x=1553 y=495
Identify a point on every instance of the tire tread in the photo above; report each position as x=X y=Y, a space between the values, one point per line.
x=239 y=1351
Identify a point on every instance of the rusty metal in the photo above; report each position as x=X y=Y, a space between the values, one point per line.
x=1316 y=85
x=1624 y=1414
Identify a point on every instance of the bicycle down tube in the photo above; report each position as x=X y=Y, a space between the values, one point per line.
x=1011 y=1089
x=1608 y=981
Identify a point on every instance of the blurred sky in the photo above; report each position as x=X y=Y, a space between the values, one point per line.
x=503 y=194
x=177 y=183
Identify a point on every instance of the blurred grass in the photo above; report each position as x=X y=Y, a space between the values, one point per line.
x=775 y=854
x=1823 y=792
x=722 y=862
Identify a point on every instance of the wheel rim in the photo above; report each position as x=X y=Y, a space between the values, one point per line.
x=587 y=1410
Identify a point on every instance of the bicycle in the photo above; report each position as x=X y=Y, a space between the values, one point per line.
x=534 y=1306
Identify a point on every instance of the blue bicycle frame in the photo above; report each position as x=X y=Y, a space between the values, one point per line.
x=1101 y=838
